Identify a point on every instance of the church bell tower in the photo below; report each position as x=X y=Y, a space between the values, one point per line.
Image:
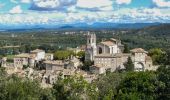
x=91 y=48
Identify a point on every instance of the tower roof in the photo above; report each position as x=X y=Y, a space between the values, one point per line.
x=108 y=43
x=138 y=50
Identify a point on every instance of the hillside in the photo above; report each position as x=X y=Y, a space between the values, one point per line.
x=148 y=37
x=157 y=30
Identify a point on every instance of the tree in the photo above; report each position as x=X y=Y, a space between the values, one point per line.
x=158 y=56
x=164 y=76
x=107 y=85
x=126 y=49
x=15 y=88
x=167 y=60
x=139 y=86
x=86 y=65
x=129 y=65
x=74 y=88
x=61 y=55
x=81 y=55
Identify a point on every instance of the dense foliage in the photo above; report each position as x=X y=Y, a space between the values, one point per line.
x=62 y=54
x=14 y=88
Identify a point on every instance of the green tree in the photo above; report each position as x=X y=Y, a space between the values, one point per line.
x=61 y=55
x=129 y=65
x=107 y=85
x=86 y=65
x=126 y=49
x=74 y=88
x=139 y=86
x=14 y=88
x=164 y=76
x=158 y=56
x=81 y=55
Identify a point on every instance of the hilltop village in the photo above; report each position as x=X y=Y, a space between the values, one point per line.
x=107 y=55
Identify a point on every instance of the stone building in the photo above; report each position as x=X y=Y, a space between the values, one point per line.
x=108 y=56
x=56 y=65
x=21 y=60
x=91 y=48
x=30 y=59
x=141 y=60
x=38 y=54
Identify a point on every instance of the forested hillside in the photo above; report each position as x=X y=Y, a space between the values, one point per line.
x=149 y=37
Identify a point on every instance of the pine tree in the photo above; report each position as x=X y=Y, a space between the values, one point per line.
x=129 y=65
x=126 y=49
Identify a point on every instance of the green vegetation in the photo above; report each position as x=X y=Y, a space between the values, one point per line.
x=139 y=86
x=62 y=54
x=81 y=55
x=14 y=88
x=74 y=88
x=129 y=65
x=126 y=49
x=86 y=65
x=158 y=56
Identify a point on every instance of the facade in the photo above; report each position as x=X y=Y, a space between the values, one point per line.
x=108 y=55
x=4 y=62
x=49 y=56
x=21 y=60
x=141 y=60
x=91 y=48
x=57 y=65
x=30 y=59
x=39 y=54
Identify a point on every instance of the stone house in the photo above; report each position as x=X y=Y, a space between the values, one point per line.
x=30 y=59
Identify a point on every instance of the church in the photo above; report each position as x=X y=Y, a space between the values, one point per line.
x=108 y=56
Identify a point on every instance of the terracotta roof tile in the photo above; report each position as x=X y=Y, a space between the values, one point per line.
x=108 y=43
x=138 y=50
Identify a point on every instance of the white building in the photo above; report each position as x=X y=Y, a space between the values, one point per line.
x=39 y=54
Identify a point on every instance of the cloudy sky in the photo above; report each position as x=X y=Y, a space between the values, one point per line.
x=55 y=12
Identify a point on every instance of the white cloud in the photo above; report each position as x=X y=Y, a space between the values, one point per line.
x=122 y=15
x=14 y=1
x=162 y=3
x=52 y=4
x=25 y=1
x=46 y=3
x=72 y=5
x=123 y=1
x=93 y=3
x=15 y=10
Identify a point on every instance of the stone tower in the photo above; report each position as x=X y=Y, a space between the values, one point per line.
x=91 y=48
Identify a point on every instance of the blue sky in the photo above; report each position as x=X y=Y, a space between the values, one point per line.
x=56 y=12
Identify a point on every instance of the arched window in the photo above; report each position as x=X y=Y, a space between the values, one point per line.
x=100 y=50
x=89 y=41
x=139 y=66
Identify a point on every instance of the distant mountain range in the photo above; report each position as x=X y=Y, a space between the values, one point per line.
x=77 y=26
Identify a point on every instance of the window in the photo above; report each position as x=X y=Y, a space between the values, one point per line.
x=100 y=50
